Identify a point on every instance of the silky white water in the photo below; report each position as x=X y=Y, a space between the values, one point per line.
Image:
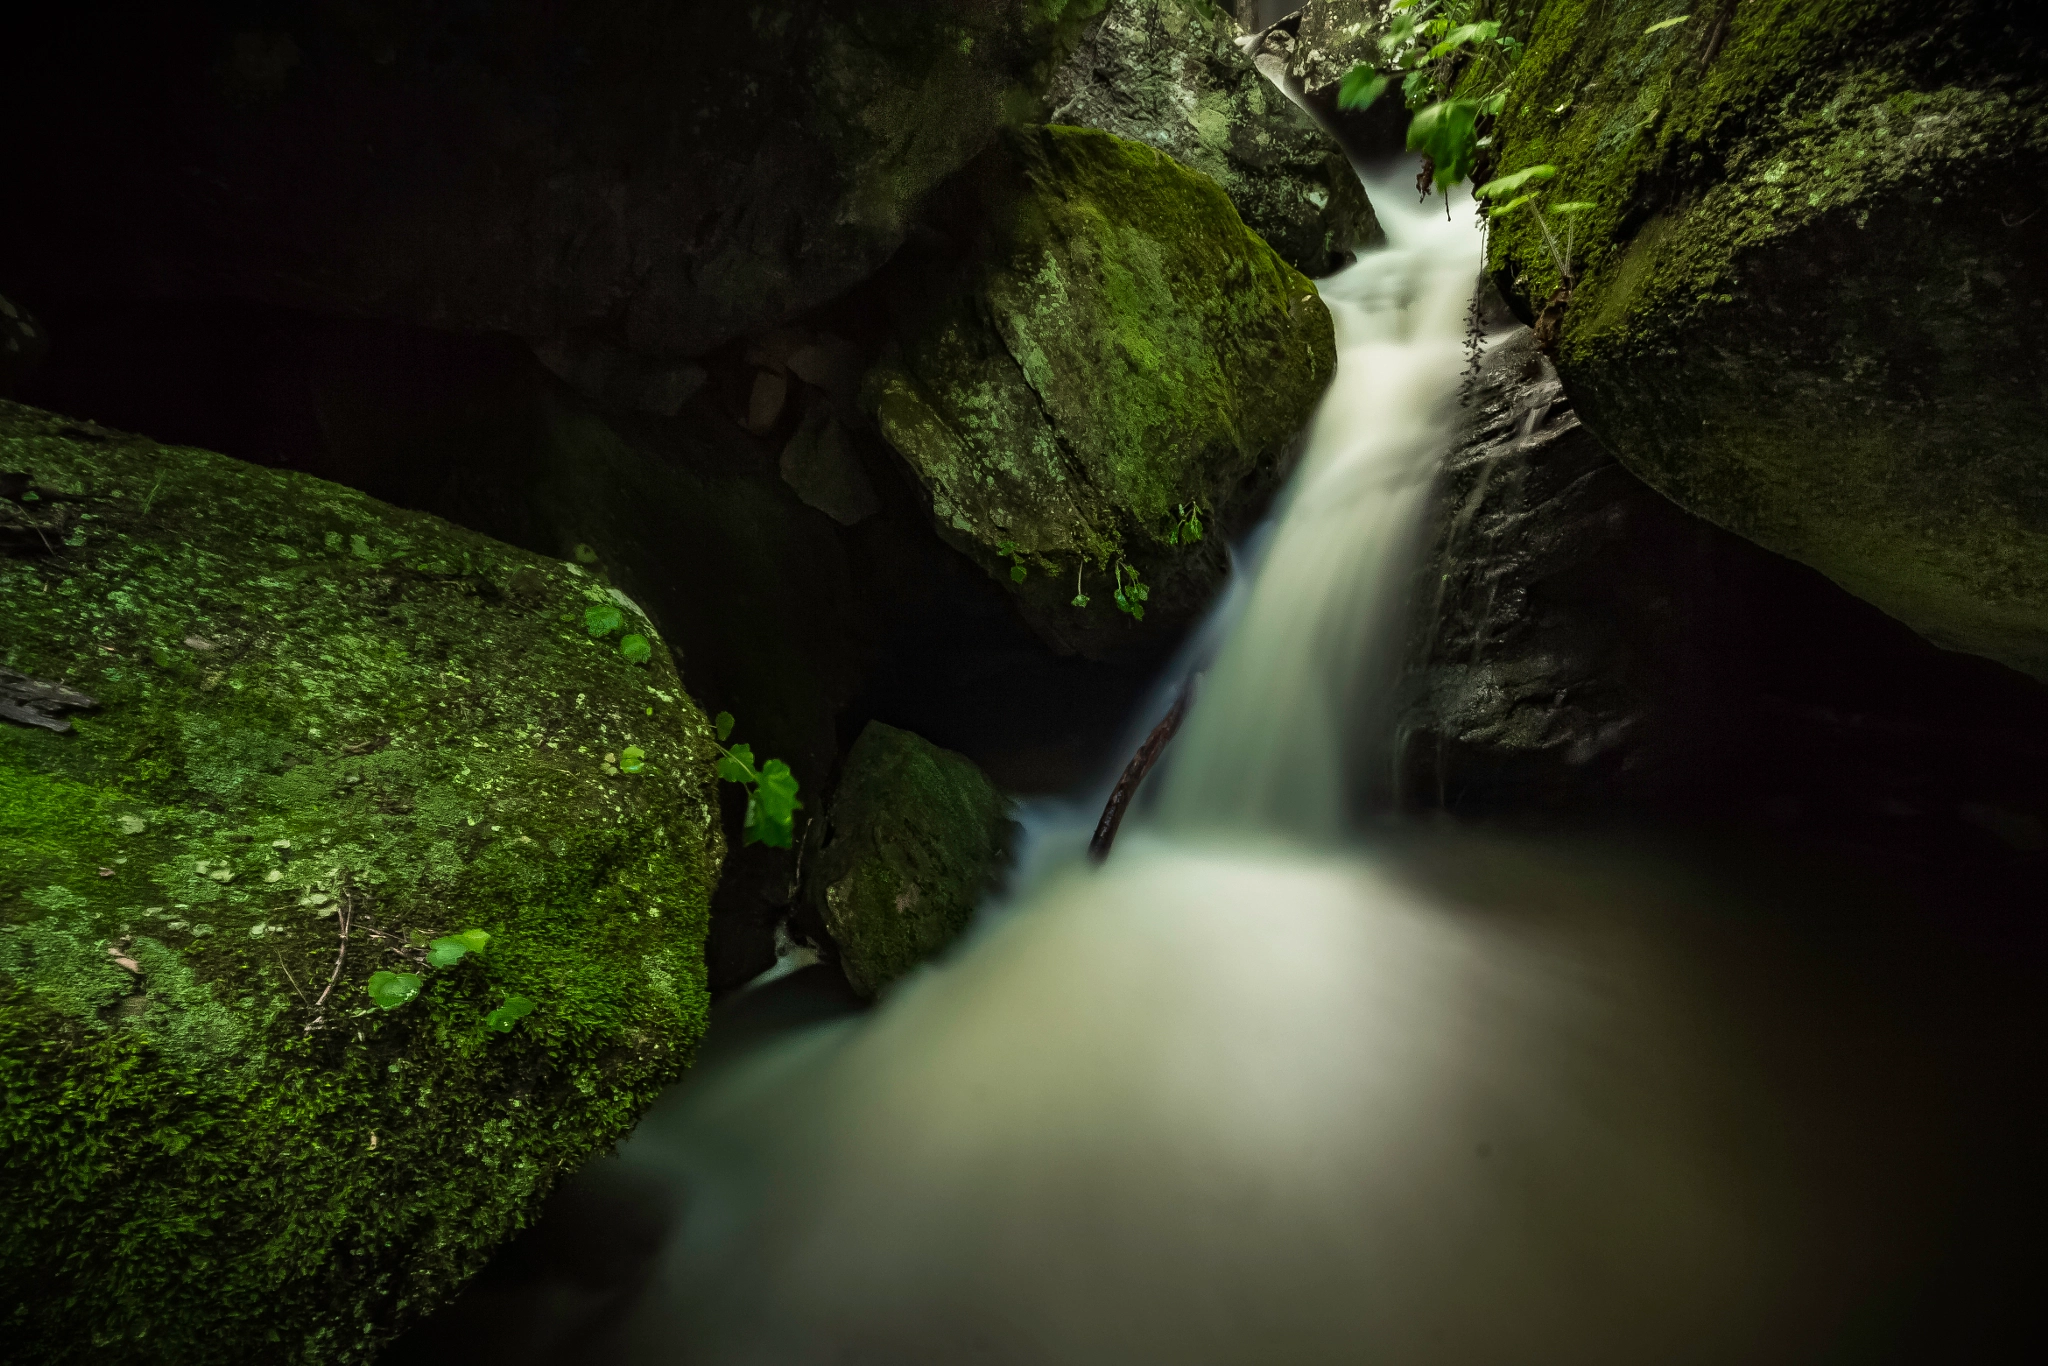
x=1251 y=1093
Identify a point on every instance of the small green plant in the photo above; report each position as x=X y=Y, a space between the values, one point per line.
x=1187 y=525
x=1429 y=45
x=771 y=791
x=632 y=759
x=1008 y=550
x=390 y=990
x=602 y=619
x=1130 y=597
x=636 y=649
x=452 y=949
x=515 y=1009
x=1080 y=598
x=1663 y=24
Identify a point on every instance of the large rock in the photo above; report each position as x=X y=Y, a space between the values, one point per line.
x=306 y=705
x=22 y=344
x=1112 y=351
x=1812 y=291
x=623 y=184
x=917 y=836
x=1585 y=650
x=1170 y=74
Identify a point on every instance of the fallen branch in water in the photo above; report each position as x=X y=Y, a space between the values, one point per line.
x=1135 y=771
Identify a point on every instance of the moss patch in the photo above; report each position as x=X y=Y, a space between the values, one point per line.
x=1811 y=299
x=311 y=701
x=1121 y=345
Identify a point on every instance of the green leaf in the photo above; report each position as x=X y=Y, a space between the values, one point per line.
x=390 y=990
x=1006 y=547
x=1414 y=86
x=602 y=620
x=632 y=759
x=1463 y=34
x=1517 y=202
x=1362 y=85
x=1080 y=599
x=1495 y=104
x=502 y=1019
x=725 y=723
x=771 y=810
x=1508 y=184
x=636 y=649
x=446 y=953
x=1665 y=23
x=1574 y=206
x=1448 y=133
x=1017 y=573
x=737 y=765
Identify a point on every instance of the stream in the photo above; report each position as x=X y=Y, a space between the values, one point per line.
x=1286 y=1081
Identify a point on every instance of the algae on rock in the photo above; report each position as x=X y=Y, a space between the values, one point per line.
x=917 y=835
x=312 y=705
x=1116 y=347
x=1812 y=293
x=1169 y=73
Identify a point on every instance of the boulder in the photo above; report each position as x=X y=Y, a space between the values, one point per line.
x=622 y=184
x=291 y=736
x=1586 y=652
x=1170 y=74
x=917 y=836
x=1110 y=358
x=1810 y=294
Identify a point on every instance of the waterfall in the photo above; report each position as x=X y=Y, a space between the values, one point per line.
x=1257 y=1091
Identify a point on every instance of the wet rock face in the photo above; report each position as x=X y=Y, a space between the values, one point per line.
x=916 y=838
x=623 y=184
x=1586 y=650
x=1110 y=357
x=1169 y=73
x=307 y=733
x=22 y=345
x=1810 y=297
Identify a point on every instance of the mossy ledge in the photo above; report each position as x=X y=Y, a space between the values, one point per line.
x=1814 y=288
x=308 y=700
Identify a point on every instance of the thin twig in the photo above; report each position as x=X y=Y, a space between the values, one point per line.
x=1134 y=772
x=289 y=978
x=344 y=914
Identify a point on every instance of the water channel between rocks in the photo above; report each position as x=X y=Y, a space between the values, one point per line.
x=1263 y=1088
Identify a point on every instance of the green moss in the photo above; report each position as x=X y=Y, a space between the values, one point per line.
x=305 y=697
x=916 y=837
x=1123 y=345
x=1804 y=310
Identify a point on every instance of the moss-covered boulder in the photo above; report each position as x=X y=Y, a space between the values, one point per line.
x=1811 y=295
x=1170 y=74
x=916 y=837
x=1117 y=358
x=322 y=733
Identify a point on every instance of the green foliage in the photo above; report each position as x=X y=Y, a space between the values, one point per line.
x=1447 y=132
x=1362 y=87
x=636 y=649
x=1663 y=24
x=390 y=990
x=1187 y=525
x=452 y=949
x=1508 y=184
x=515 y=1009
x=603 y=619
x=1130 y=597
x=725 y=723
x=1008 y=550
x=632 y=759
x=771 y=791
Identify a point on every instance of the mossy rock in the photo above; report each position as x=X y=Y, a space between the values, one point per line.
x=917 y=836
x=310 y=703
x=1169 y=73
x=1814 y=293
x=1119 y=351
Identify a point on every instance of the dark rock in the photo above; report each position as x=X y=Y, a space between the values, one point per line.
x=1811 y=295
x=1170 y=74
x=917 y=837
x=1112 y=352
x=1587 y=651
x=23 y=344
x=623 y=184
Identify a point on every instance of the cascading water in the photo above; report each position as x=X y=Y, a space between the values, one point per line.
x=1252 y=1092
